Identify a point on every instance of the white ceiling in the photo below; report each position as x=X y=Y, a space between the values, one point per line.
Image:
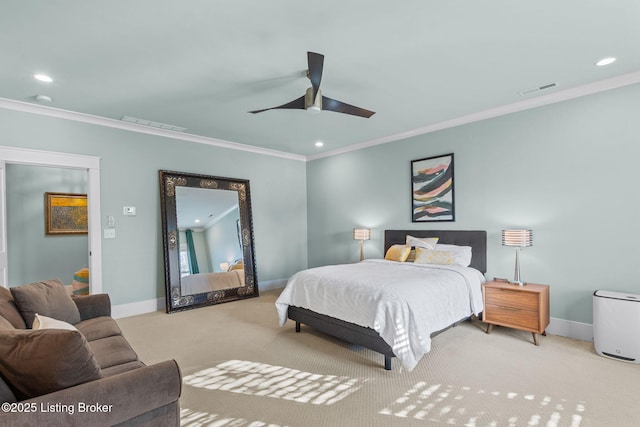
x=203 y=64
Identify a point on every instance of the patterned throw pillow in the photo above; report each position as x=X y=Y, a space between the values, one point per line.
x=425 y=256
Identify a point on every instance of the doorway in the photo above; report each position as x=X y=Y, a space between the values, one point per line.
x=91 y=166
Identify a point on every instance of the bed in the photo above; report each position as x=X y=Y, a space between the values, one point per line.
x=396 y=325
x=209 y=282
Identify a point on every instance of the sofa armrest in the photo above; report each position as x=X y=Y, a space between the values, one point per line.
x=94 y=305
x=107 y=401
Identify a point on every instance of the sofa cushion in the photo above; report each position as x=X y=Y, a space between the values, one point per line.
x=48 y=298
x=38 y=362
x=5 y=325
x=6 y=394
x=111 y=351
x=98 y=327
x=8 y=309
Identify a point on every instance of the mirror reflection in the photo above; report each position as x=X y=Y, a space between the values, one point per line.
x=208 y=240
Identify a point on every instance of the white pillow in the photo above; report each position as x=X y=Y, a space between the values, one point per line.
x=427 y=243
x=462 y=253
x=44 y=322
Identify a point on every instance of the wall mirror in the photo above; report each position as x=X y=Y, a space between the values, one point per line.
x=207 y=232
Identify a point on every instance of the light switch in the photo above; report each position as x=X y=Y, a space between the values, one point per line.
x=111 y=221
x=109 y=233
x=129 y=211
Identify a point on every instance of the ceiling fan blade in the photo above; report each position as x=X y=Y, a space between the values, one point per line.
x=296 y=104
x=316 y=64
x=341 y=107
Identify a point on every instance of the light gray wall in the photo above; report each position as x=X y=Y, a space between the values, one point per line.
x=32 y=255
x=222 y=240
x=568 y=171
x=133 y=261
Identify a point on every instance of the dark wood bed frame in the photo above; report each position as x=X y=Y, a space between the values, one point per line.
x=369 y=338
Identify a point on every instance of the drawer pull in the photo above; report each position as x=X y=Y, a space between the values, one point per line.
x=510 y=308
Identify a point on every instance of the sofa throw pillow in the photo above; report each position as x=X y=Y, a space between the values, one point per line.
x=38 y=362
x=48 y=298
x=8 y=309
x=44 y=322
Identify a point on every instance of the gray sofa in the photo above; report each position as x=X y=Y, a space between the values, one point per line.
x=85 y=375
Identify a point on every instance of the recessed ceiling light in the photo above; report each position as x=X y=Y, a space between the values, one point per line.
x=43 y=78
x=606 y=61
x=319 y=144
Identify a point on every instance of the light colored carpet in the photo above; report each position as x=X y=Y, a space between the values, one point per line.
x=241 y=369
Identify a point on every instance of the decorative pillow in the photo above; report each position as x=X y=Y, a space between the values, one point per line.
x=5 y=325
x=8 y=309
x=44 y=322
x=48 y=298
x=462 y=253
x=397 y=253
x=425 y=256
x=422 y=242
x=34 y=363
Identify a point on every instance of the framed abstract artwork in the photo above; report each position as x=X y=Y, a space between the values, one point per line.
x=65 y=213
x=432 y=187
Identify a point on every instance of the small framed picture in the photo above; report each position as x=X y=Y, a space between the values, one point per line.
x=432 y=189
x=65 y=213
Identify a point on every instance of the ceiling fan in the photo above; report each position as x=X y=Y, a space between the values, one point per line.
x=313 y=100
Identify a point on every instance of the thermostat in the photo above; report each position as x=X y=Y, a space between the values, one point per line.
x=129 y=211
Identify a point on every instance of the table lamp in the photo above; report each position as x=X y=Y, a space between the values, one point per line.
x=518 y=239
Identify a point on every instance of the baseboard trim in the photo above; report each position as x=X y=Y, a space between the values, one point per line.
x=273 y=284
x=571 y=329
x=134 y=308
x=148 y=306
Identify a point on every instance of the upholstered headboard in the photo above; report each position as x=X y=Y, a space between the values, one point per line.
x=476 y=239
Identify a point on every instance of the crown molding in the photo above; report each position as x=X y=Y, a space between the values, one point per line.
x=539 y=101
x=42 y=110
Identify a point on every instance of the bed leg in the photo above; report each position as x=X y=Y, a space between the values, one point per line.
x=387 y=362
x=297 y=326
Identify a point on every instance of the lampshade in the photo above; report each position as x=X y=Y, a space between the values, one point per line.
x=361 y=234
x=519 y=238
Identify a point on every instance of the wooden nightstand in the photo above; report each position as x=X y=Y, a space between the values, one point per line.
x=521 y=307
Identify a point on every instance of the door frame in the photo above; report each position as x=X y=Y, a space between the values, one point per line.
x=23 y=156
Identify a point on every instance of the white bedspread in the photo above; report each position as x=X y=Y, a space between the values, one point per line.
x=403 y=302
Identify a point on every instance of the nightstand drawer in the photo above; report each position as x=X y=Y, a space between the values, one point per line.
x=516 y=299
x=512 y=316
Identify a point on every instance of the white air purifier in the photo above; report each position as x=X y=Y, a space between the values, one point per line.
x=616 y=325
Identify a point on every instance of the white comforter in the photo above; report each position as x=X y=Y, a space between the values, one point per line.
x=403 y=302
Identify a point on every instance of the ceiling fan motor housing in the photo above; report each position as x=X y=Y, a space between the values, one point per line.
x=310 y=104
